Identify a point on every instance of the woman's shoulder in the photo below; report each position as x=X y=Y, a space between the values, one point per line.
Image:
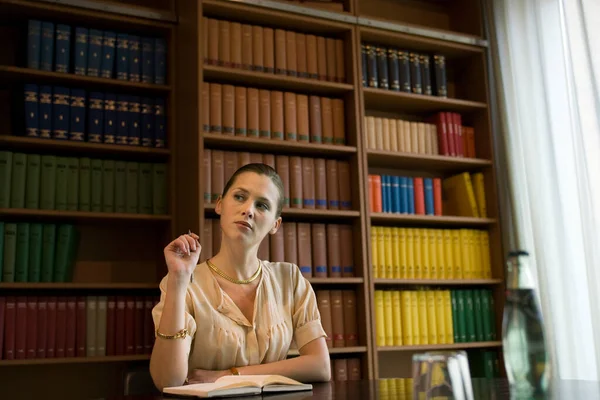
x=281 y=269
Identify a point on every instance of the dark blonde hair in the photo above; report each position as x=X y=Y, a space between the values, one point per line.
x=260 y=169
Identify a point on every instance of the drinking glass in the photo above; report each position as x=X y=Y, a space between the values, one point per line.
x=441 y=375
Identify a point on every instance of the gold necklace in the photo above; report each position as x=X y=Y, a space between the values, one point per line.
x=230 y=279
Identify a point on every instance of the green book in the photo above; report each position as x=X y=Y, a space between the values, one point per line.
x=108 y=186
x=145 y=194
x=48 y=183
x=492 y=315
x=66 y=245
x=462 y=318
x=61 y=183
x=120 y=186
x=72 y=183
x=22 y=258
x=96 y=175
x=10 y=252
x=35 y=252
x=159 y=188
x=456 y=328
x=17 y=181
x=5 y=175
x=470 y=315
x=480 y=334
x=32 y=187
x=48 y=250
x=85 y=184
x=485 y=313
x=489 y=364
x=131 y=199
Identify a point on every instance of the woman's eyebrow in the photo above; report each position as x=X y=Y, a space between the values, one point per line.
x=261 y=198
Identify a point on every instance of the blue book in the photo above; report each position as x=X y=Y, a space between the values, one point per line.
x=147 y=60
x=382 y=67
x=160 y=63
x=34 y=43
x=403 y=195
x=122 y=56
x=160 y=136
x=363 y=53
x=63 y=48
x=32 y=113
x=45 y=110
x=395 y=194
x=94 y=52
x=393 y=69
x=95 y=117
x=81 y=50
x=428 y=189
x=61 y=97
x=108 y=54
x=110 y=118
x=135 y=56
x=147 y=122
x=47 y=50
x=77 y=131
x=122 y=119
x=384 y=193
x=135 y=131
x=388 y=193
x=411 y=195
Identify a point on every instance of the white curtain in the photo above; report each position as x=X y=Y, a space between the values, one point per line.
x=546 y=65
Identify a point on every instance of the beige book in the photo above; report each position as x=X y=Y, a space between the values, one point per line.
x=393 y=135
x=378 y=133
x=414 y=137
x=370 y=133
x=247 y=52
x=235 y=36
x=312 y=63
x=386 y=134
x=269 y=50
x=435 y=146
x=400 y=132
x=301 y=62
x=424 y=139
x=224 y=44
x=408 y=146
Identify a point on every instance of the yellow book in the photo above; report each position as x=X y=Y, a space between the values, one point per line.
x=409 y=388
x=433 y=259
x=440 y=321
x=449 y=253
x=410 y=254
x=457 y=252
x=476 y=251
x=479 y=188
x=425 y=261
x=406 y=306
x=392 y=388
x=458 y=195
x=485 y=255
x=401 y=385
x=379 y=318
x=381 y=251
x=418 y=255
x=441 y=254
x=388 y=318
x=397 y=318
x=448 y=317
x=431 y=317
x=374 y=252
x=384 y=392
x=423 y=328
x=414 y=313
x=396 y=253
x=388 y=245
x=465 y=249
x=403 y=250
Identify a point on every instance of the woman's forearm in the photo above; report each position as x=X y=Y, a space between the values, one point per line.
x=169 y=360
x=306 y=368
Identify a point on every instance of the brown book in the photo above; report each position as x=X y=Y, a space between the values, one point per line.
x=290 y=245
x=264 y=116
x=42 y=327
x=282 y=166
x=333 y=251
x=228 y=110
x=347 y=257
x=30 y=333
x=224 y=44
x=350 y=325
x=269 y=50
x=235 y=37
x=247 y=51
x=296 y=181
x=340 y=61
x=120 y=326
x=217 y=174
x=139 y=325
x=291 y=127
x=51 y=327
x=393 y=135
x=71 y=332
x=302 y=118
x=324 y=306
x=205 y=108
x=322 y=57
x=241 y=111
x=327 y=120
x=301 y=62
x=331 y=60
x=339 y=124
x=320 y=184
x=312 y=63
x=257 y=48
x=129 y=325
x=256 y=158
x=316 y=120
x=111 y=305
x=277 y=118
x=308 y=182
x=61 y=329
x=319 y=250
x=205 y=39
x=304 y=249
x=280 y=52
x=213 y=41
x=269 y=159
x=230 y=160
x=216 y=235
x=290 y=53
x=337 y=318
x=207 y=242
x=354 y=369
x=333 y=186
x=340 y=366
x=264 y=249
x=387 y=145
x=206 y=175
x=10 y=318
x=344 y=179
x=277 y=245
x=243 y=158
x=253 y=113
x=215 y=108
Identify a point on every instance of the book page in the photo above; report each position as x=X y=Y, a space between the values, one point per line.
x=256 y=380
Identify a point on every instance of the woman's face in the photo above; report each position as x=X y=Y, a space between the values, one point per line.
x=248 y=210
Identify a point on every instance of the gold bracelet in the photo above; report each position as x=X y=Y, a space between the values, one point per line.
x=179 y=335
x=234 y=371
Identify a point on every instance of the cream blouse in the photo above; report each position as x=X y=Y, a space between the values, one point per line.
x=285 y=315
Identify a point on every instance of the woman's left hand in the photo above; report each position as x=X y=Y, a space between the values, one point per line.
x=205 y=376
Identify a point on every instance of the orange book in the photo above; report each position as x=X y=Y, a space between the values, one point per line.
x=327 y=120
x=291 y=127
x=235 y=37
x=269 y=50
x=264 y=117
x=301 y=62
x=213 y=41
x=290 y=52
x=333 y=189
x=224 y=44
x=320 y=184
x=376 y=194
x=322 y=57
x=319 y=249
x=304 y=249
x=241 y=110
x=257 y=48
x=312 y=64
x=437 y=196
x=308 y=182
x=228 y=110
x=277 y=118
x=252 y=113
x=247 y=52
x=331 y=59
x=302 y=118
x=339 y=125
x=340 y=61
x=419 y=195
x=316 y=135
x=282 y=166
x=215 y=108
x=280 y=52
x=296 y=181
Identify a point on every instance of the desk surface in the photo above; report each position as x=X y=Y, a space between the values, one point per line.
x=496 y=389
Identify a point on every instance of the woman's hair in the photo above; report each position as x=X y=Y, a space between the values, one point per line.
x=261 y=169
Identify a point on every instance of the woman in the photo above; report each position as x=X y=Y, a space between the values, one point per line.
x=241 y=314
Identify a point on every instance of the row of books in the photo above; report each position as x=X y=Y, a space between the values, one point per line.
x=443 y=134
x=311 y=183
x=345 y=369
x=35 y=252
x=464 y=195
x=422 y=253
x=405 y=194
x=338 y=317
x=402 y=70
x=136 y=59
x=96 y=117
x=271 y=114
x=421 y=317
x=319 y=250
x=50 y=182
x=37 y=327
x=278 y=51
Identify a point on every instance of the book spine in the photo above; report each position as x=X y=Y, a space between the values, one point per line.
x=134 y=135
x=81 y=50
x=122 y=56
x=160 y=61
x=147 y=60
x=34 y=42
x=135 y=55
x=17 y=181
x=77 y=113
x=107 y=65
x=122 y=120
x=110 y=119
x=160 y=131
x=60 y=113
x=47 y=49
x=85 y=181
x=94 y=52
x=32 y=123
x=147 y=122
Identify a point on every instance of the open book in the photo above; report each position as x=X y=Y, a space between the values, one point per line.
x=239 y=385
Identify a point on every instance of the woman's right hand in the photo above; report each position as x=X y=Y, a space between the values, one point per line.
x=182 y=256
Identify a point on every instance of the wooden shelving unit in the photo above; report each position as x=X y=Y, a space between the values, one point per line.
x=436 y=347
x=80 y=215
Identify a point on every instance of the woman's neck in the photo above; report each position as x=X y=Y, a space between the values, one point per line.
x=236 y=261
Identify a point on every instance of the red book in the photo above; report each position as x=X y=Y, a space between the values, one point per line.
x=61 y=327
x=437 y=196
x=51 y=327
x=10 y=316
x=130 y=325
x=449 y=126
x=442 y=132
x=419 y=196
x=457 y=123
x=71 y=342
x=80 y=330
x=21 y=327
x=2 y=312
x=32 y=328
x=375 y=195
x=42 y=326
x=139 y=325
x=120 y=327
